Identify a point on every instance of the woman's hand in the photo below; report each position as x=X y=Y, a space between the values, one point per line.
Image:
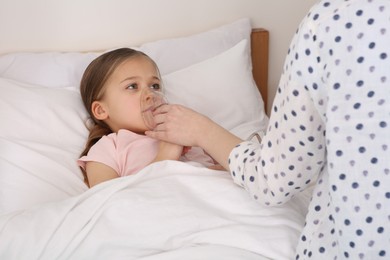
x=180 y=125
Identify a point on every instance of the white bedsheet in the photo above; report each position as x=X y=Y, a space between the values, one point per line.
x=169 y=210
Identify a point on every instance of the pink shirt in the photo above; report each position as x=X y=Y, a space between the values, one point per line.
x=127 y=152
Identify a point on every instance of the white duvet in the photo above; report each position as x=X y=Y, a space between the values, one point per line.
x=169 y=210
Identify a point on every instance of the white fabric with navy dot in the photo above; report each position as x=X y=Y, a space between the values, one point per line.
x=330 y=125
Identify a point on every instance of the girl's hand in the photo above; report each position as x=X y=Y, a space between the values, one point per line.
x=217 y=167
x=168 y=151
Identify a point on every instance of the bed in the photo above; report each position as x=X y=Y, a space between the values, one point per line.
x=168 y=210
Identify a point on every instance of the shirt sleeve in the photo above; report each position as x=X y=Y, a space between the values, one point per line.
x=292 y=152
x=104 y=151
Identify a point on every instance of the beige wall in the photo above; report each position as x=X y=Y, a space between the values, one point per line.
x=81 y=25
x=281 y=18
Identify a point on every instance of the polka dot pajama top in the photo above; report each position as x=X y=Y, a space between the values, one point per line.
x=330 y=125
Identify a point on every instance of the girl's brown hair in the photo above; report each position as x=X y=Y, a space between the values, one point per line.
x=92 y=89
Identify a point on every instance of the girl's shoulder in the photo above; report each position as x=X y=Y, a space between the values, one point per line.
x=125 y=137
x=124 y=134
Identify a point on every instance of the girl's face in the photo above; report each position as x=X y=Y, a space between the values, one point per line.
x=120 y=106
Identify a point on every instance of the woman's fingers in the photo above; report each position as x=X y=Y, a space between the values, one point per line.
x=161 y=109
x=159 y=127
x=155 y=134
x=175 y=124
x=159 y=119
x=160 y=113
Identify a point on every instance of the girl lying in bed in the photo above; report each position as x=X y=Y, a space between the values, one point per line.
x=111 y=90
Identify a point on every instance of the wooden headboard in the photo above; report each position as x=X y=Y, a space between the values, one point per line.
x=259 y=52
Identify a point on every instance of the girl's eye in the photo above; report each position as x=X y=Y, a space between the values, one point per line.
x=132 y=86
x=156 y=87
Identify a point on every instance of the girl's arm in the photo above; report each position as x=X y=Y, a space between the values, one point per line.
x=99 y=172
x=168 y=151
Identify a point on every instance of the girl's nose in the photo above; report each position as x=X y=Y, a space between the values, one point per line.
x=148 y=96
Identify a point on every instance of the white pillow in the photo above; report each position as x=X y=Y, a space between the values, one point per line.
x=56 y=69
x=52 y=116
x=41 y=135
x=174 y=54
x=32 y=173
x=222 y=88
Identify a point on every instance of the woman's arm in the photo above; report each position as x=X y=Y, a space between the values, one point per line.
x=98 y=173
x=181 y=125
